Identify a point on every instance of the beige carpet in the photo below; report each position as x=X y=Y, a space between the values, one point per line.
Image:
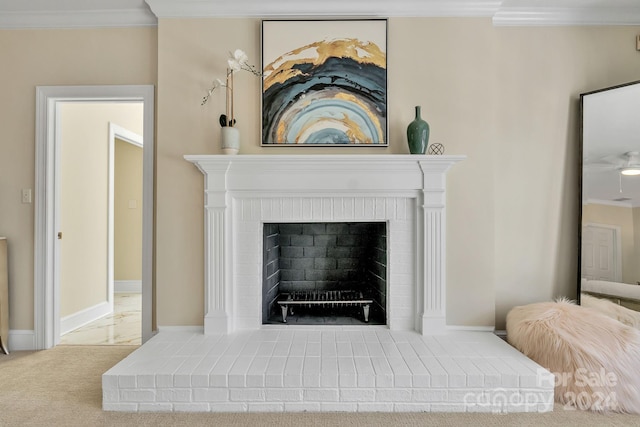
x=62 y=387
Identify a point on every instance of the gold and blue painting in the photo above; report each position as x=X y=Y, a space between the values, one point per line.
x=324 y=82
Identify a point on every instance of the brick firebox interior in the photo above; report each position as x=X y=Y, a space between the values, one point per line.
x=325 y=257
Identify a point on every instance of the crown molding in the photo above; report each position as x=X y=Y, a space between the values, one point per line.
x=16 y=14
x=556 y=16
x=613 y=203
x=77 y=19
x=326 y=8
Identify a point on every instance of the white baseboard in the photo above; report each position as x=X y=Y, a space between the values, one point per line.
x=127 y=286
x=22 y=340
x=200 y=329
x=83 y=317
x=196 y=329
x=470 y=328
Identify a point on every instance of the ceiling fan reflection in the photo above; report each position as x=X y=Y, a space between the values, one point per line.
x=627 y=164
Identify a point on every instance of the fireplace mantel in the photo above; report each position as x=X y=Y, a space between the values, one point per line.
x=241 y=192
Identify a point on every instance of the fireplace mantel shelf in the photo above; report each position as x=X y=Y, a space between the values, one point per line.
x=327 y=160
x=324 y=172
x=243 y=192
x=324 y=157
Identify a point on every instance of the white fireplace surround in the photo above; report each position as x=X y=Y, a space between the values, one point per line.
x=414 y=363
x=243 y=192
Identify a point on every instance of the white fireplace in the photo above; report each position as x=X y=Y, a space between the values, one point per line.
x=413 y=363
x=408 y=192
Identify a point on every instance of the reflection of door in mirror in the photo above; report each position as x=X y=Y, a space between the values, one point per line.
x=601 y=252
x=610 y=214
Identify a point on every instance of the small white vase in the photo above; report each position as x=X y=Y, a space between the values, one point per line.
x=230 y=137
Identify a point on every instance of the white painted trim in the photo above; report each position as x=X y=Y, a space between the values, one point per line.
x=115 y=131
x=111 y=147
x=550 y=16
x=77 y=19
x=191 y=329
x=20 y=340
x=324 y=8
x=46 y=318
x=44 y=227
x=127 y=286
x=102 y=14
x=84 y=317
x=471 y=328
x=608 y=203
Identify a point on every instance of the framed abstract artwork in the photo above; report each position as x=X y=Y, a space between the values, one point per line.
x=324 y=82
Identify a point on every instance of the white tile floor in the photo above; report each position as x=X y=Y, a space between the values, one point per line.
x=123 y=327
x=327 y=369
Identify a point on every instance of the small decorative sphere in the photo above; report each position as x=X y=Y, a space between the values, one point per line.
x=435 y=148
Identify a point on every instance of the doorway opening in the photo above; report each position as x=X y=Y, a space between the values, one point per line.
x=100 y=192
x=49 y=221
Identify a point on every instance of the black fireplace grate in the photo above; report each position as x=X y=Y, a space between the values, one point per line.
x=328 y=299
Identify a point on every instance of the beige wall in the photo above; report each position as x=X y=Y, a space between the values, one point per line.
x=539 y=75
x=51 y=57
x=506 y=97
x=128 y=211
x=624 y=218
x=443 y=83
x=84 y=198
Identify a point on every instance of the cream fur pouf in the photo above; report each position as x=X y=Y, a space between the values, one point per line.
x=595 y=359
x=611 y=309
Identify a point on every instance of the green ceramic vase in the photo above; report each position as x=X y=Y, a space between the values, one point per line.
x=418 y=134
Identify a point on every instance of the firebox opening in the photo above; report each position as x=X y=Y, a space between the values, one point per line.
x=325 y=273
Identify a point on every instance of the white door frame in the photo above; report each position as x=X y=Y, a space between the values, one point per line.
x=46 y=247
x=116 y=131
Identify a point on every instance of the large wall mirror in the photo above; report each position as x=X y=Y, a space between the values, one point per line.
x=610 y=214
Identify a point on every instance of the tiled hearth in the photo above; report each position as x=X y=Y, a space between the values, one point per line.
x=413 y=363
x=369 y=369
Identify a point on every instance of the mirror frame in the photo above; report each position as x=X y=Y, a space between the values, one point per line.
x=581 y=172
